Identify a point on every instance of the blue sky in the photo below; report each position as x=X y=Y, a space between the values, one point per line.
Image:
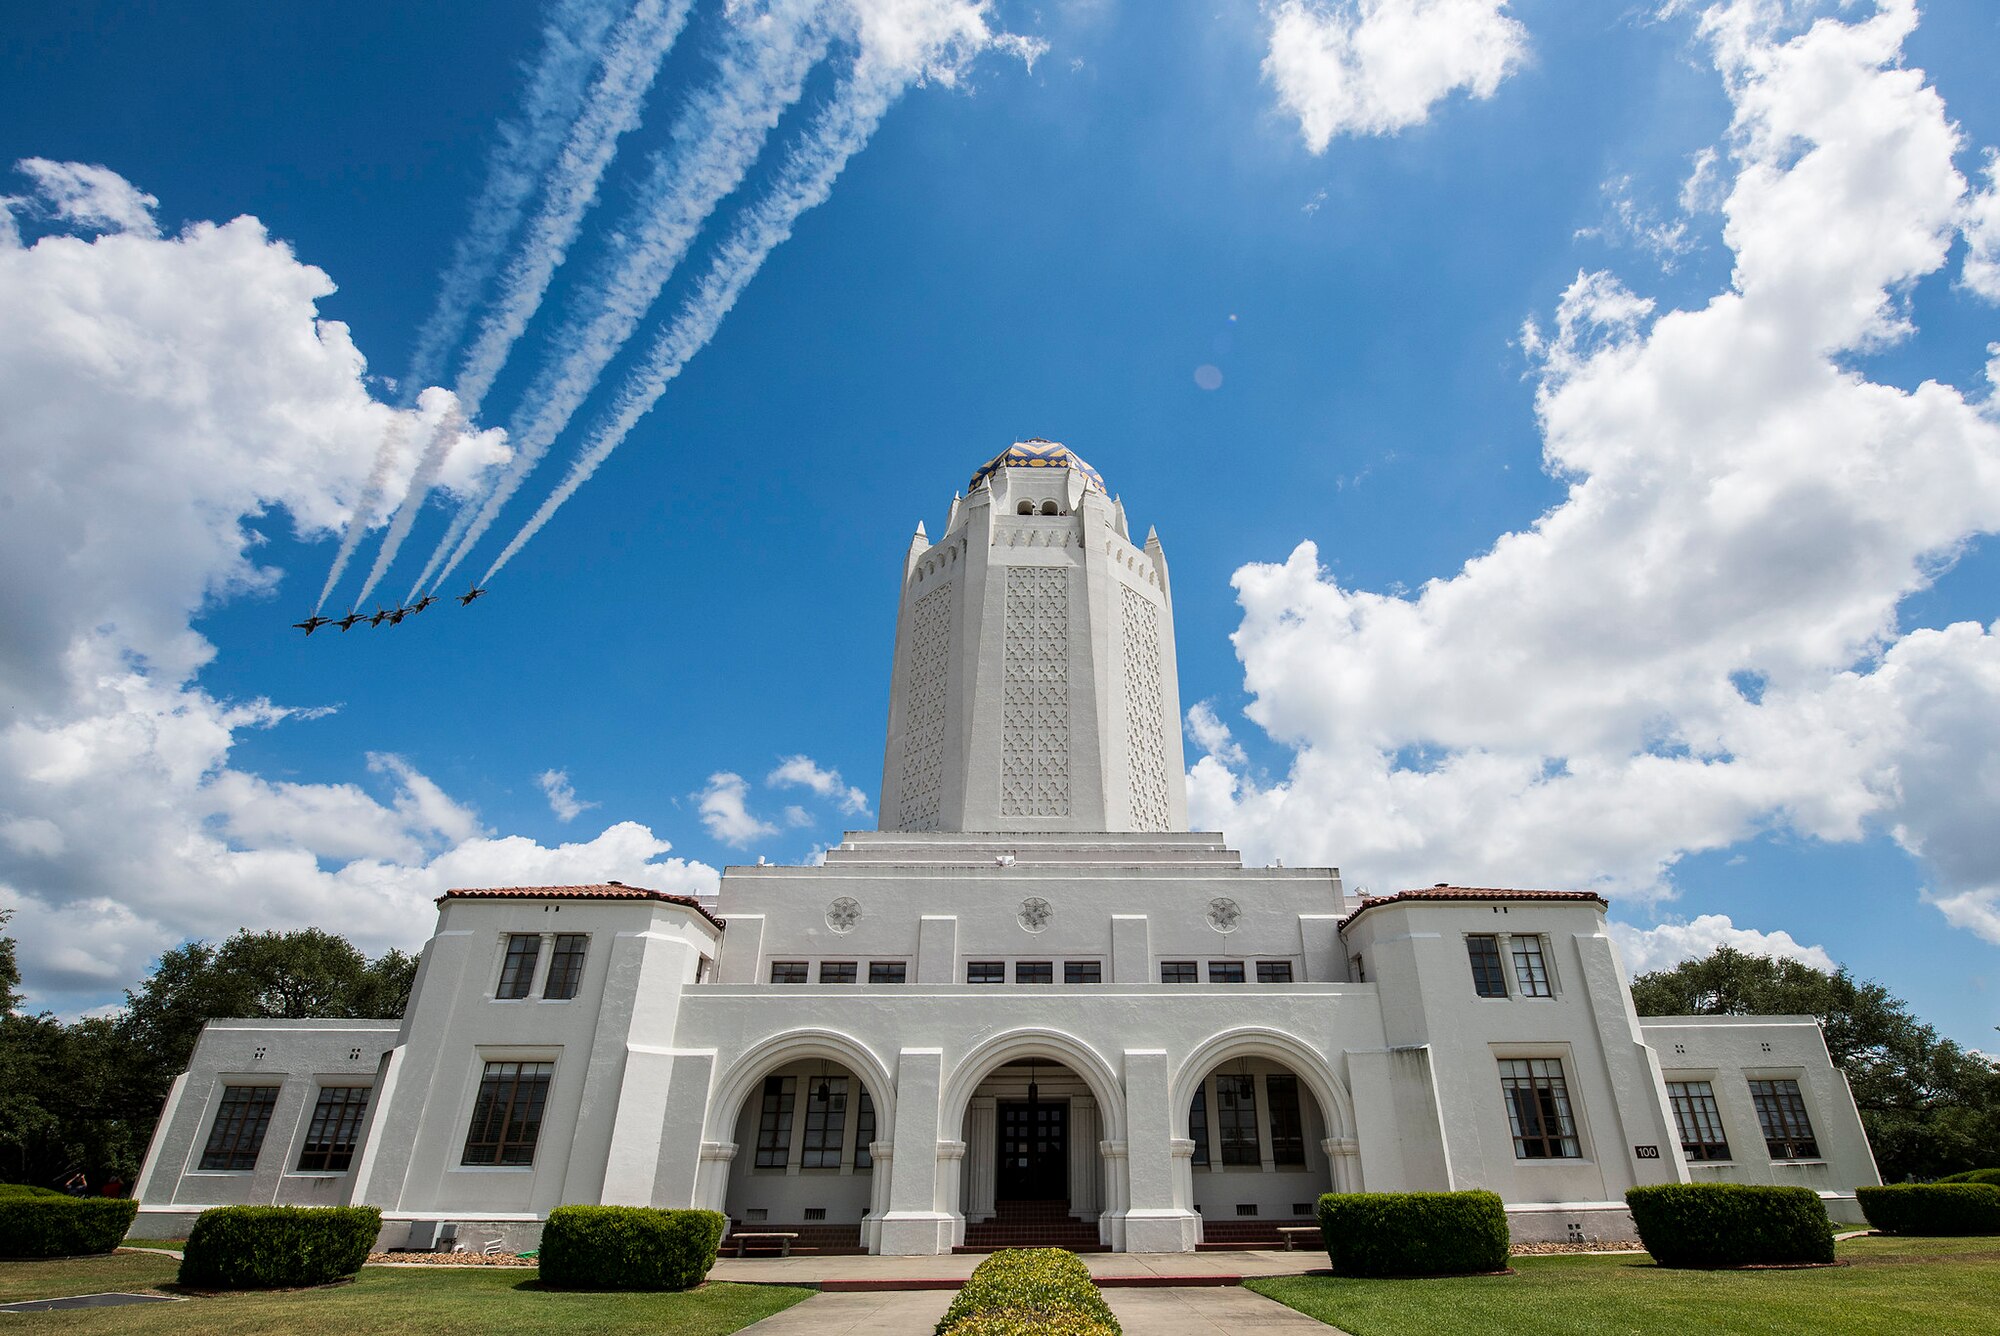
x=1708 y=672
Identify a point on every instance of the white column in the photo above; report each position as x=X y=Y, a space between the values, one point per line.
x=1153 y=1222
x=878 y=1194
x=1117 y=1193
x=1083 y=1157
x=981 y=1151
x=913 y=1226
x=1343 y=1157
x=950 y=1186
x=712 y=1179
x=1183 y=1153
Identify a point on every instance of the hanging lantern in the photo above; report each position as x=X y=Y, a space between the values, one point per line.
x=1034 y=1091
x=823 y=1091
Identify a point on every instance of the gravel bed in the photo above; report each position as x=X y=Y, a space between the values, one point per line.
x=452 y=1259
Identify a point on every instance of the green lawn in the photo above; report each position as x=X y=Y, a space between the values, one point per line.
x=1926 y=1286
x=469 y=1299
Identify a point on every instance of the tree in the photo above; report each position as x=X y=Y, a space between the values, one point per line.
x=1929 y=1106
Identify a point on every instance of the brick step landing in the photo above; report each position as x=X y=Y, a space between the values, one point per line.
x=1031 y=1224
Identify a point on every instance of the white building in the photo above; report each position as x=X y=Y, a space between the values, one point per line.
x=1032 y=1007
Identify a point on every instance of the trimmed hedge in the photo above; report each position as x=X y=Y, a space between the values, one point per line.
x=1731 y=1224
x=36 y=1223
x=277 y=1247
x=628 y=1247
x=1932 y=1208
x=1413 y=1233
x=1041 y=1287
x=19 y=1191
x=1029 y=1322
x=1974 y=1176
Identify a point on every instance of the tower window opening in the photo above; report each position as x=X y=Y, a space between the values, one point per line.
x=1050 y=508
x=1025 y=508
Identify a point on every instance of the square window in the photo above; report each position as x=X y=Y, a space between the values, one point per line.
x=241 y=1120
x=836 y=971
x=1083 y=971
x=774 y=1123
x=826 y=1122
x=1488 y=979
x=888 y=971
x=1178 y=971
x=1034 y=971
x=1781 y=1112
x=517 y=971
x=1538 y=1109
x=334 y=1130
x=986 y=971
x=1225 y=971
x=1274 y=971
x=1699 y=1120
x=1531 y=968
x=507 y=1113
x=788 y=971
x=1236 y=1118
x=566 y=965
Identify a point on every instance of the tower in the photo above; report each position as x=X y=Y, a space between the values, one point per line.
x=1034 y=686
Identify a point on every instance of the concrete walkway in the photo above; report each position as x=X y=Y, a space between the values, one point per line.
x=1166 y=1311
x=951 y=1268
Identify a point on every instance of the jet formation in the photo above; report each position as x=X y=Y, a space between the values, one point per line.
x=393 y=616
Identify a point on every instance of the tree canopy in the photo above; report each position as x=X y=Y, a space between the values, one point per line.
x=1930 y=1107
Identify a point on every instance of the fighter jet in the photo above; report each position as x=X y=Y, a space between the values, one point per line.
x=347 y=623
x=311 y=624
x=423 y=603
x=380 y=616
x=396 y=617
x=469 y=595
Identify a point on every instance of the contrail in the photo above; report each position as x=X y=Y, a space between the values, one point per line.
x=371 y=497
x=446 y=434
x=839 y=132
x=760 y=73
x=641 y=41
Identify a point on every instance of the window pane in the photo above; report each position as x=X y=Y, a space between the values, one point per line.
x=1699 y=1120
x=836 y=971
x=774 y=1123
x=1781 y=1112
x=1538 y=1109
x=1177 y=971
x=1531 y=971
x=566 y=965
x=334 y=1129
x=826 y=1122
x=1198 y=1125
x=788 y=971
x=1488 y=980
x=1274 y=971
x=241 y=1119
x=1288 y=1129
x=507 y=1113
x=986 y=971
x=1236 y=1118
x=517 y=971
x=864 y=1132
x=1034 y=971
x=1225 y=971
x=888 y=971
x=1083 y=971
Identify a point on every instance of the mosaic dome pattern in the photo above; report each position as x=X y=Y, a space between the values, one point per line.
x=1038 y=454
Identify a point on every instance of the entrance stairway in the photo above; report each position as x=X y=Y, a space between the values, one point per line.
x=1238 y=1235
x=1031 y=1224
x=825 y=1240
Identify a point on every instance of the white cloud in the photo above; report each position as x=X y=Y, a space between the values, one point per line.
x=92 y=197
x=1982 y=234
x=562 y=795
x=1627 y=222
x=725 y=812
x=1701 y=640
x=161 y=392
x=804 y=772
x=1377 y=66
x=1663 y=947
x=1213 y=736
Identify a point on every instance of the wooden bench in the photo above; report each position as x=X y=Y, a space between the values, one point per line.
x=1288 y=1233
x=781 y=1240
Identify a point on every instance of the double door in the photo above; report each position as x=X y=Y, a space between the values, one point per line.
x=1034 y=1152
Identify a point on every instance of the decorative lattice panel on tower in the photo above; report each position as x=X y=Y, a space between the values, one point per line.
x=1034 y=749
x=924 y=710
x=1143 y=724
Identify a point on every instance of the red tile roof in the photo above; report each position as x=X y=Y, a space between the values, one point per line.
x=610 y=890
x=1443 y=891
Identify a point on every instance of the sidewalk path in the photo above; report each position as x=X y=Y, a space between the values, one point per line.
x=884 y=1313
x=1163 y=1311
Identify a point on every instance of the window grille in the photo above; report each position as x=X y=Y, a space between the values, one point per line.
x=1236 y=1118
x=864 y=1131
x=1531 y=968
x=334 y=1129
x=1198 y=1125
x=888 y=971
x=788 y=971
x=1083 y=971
x=517 y=972
x=1488 y=979
x=826 y=1122
x=1178 y=971
x=1034 y=971
x=1225 y=971
x=240 y=1122
x=1288 y=1129
x=566 y=965
x=1781 y=1111
x=507 y=1114
x=1538 y=1109
x=1699 y=1120
x=986 y=971
x=836 y=971
x=774 y=1123
x=1274 y=971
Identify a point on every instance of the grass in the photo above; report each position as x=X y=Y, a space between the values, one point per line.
x=1899 y=1285
x=469 y=1299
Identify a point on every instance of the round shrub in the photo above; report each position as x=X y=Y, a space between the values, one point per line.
x=1050 y=1283
x=1029 y=1322
x=38 y=1223
x=628 y=1247
x=1731 y=1224
x=1932 y=1208
x=277 y=1247
x=1413 y=1233
x=1991 y=1176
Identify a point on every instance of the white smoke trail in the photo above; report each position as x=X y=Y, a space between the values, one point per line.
x=573 y=40
x=760 y=72
x=449 y=428
x=638 y=46
x=371 y=496
x=839 y=132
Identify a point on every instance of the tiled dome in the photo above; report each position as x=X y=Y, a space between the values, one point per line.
x=1037 y=454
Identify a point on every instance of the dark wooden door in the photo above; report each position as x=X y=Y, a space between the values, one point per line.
x=1034 y=1152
